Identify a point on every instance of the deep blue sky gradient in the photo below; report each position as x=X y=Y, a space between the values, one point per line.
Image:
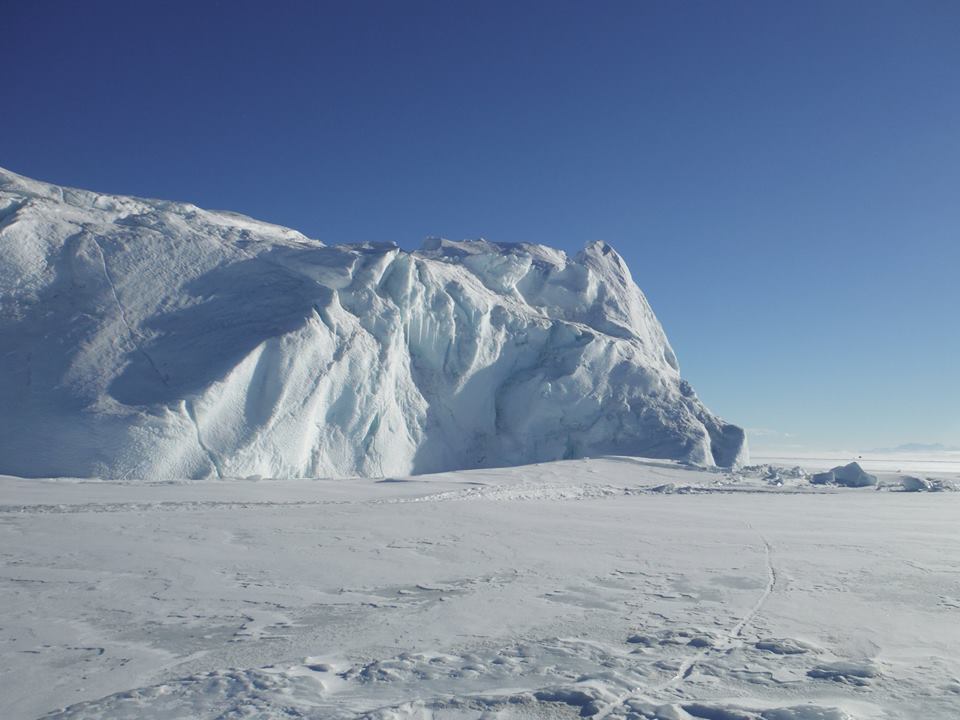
x=782 y=178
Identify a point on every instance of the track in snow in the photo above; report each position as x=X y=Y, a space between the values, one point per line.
x=734 y=636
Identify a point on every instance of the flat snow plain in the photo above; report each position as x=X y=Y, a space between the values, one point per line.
x=608 y=588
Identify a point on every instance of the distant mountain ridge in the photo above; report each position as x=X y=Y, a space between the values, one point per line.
x=917 y=448
x=152 y=339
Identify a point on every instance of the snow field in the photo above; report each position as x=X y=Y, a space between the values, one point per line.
x=579 y=588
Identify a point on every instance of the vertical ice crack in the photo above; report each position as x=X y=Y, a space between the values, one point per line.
x=191 y=412
x=134 y=335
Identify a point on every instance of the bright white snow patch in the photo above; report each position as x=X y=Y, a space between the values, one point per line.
x=548 y=591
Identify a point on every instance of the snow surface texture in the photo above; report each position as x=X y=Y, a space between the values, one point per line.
x=608 y=588
x=149 y=339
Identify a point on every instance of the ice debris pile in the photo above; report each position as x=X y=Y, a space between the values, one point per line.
x=144 y=338
x=912 y=483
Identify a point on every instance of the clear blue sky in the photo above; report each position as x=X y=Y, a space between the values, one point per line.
x=783 y=178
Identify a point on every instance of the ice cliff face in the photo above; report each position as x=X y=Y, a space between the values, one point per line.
x=148 y=339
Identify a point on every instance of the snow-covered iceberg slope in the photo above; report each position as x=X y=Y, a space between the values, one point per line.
x=141 y=338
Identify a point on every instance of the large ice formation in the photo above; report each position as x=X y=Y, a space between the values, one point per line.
x=150 y=339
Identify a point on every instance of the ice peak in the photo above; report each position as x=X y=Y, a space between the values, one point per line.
x=599 y=246
x=599 y=254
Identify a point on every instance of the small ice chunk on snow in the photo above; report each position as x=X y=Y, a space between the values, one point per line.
x=850 y=475
x=914 y=484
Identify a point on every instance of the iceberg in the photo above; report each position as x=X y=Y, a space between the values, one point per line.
x=154 y=339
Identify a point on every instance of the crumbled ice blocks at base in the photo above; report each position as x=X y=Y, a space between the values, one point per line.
x=912 y=483
x=155 y=339
x=773 y=474
x=850 y=475
x=823 y=478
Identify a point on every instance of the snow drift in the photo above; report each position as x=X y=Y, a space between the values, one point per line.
x=143 y=338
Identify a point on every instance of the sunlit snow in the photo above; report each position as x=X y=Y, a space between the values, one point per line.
x=613 y=587
x=248 y=520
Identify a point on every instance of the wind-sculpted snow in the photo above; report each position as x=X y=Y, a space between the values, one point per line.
x=558 y=590
x=153 y=339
